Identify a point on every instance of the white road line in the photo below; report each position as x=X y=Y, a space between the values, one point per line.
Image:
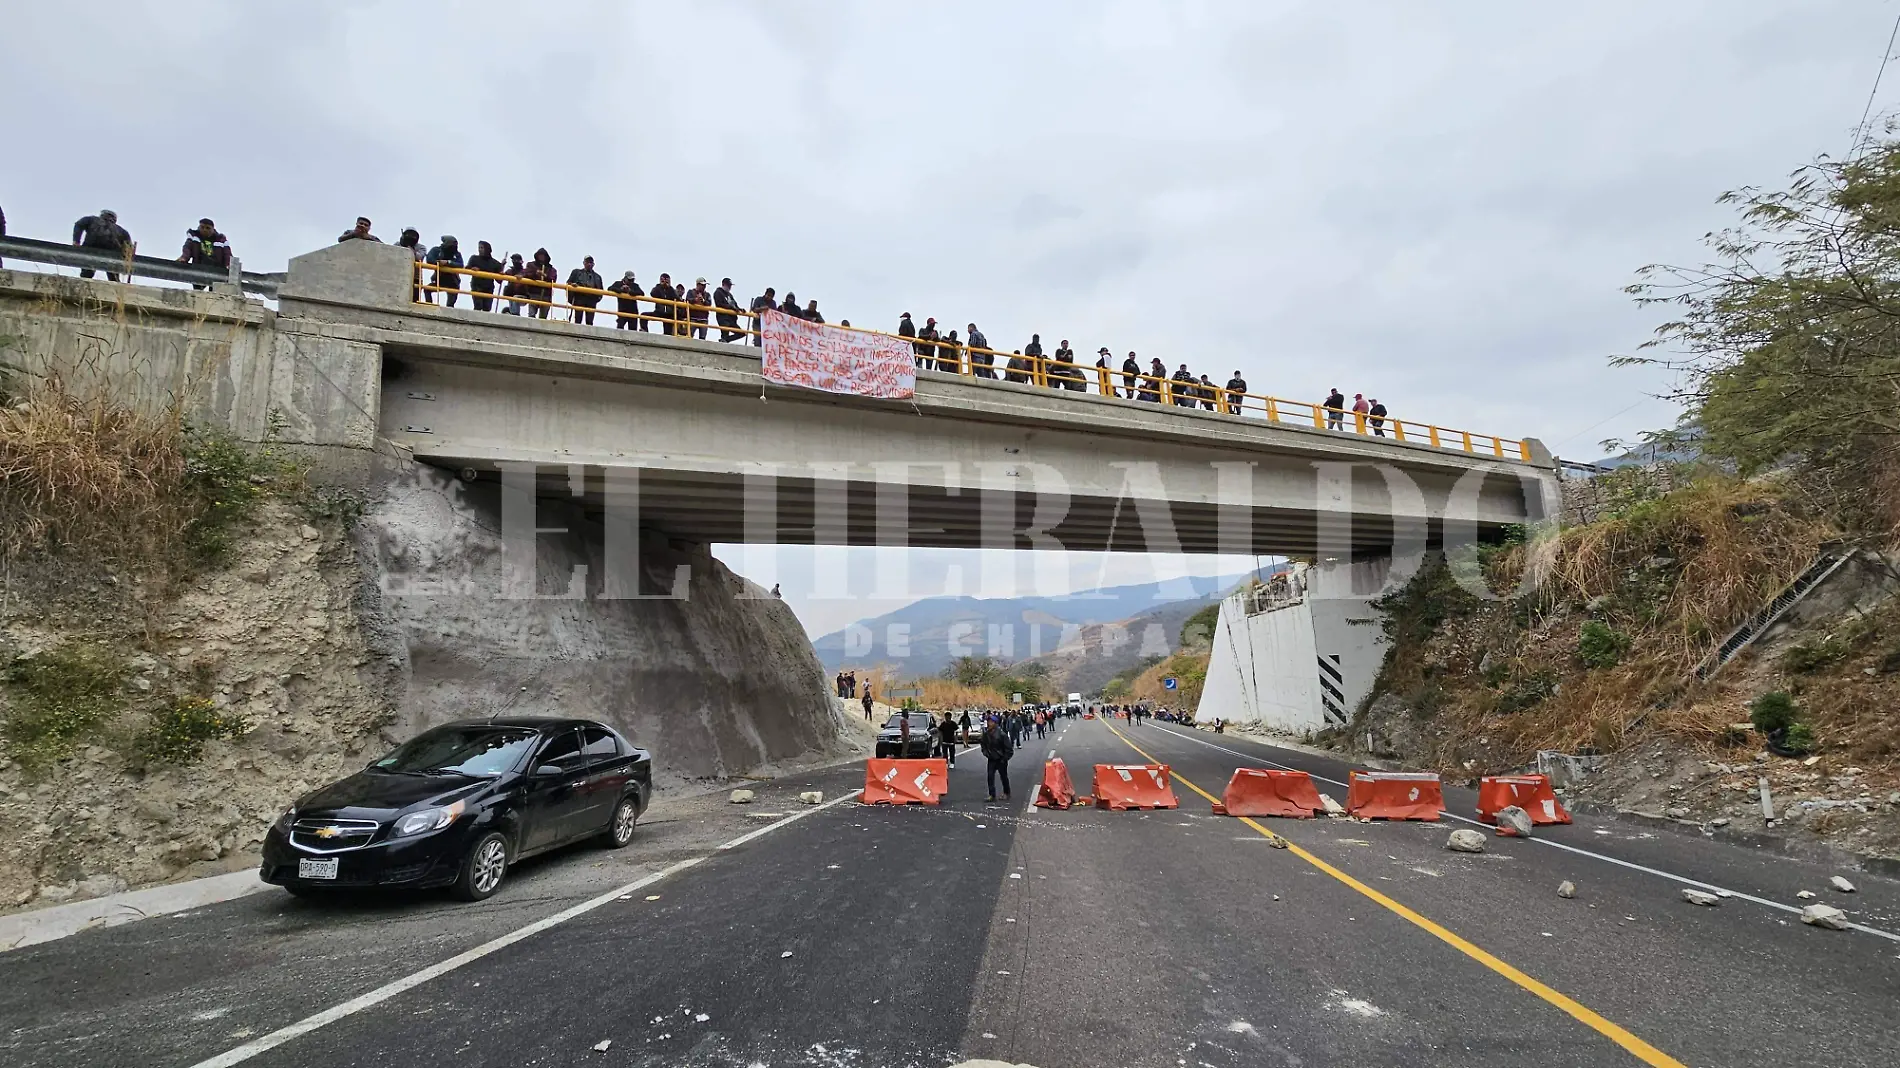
x=383 y=993
x=1632 y=865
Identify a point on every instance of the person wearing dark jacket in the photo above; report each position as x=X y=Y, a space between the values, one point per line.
x=1102 y=376
x=761 y=304
x=1376 y=416
x=1335 y=409
x=964 y=723
x=982 y=360
x=811 y=312
x=481 y=290
x=1236 y=390
x=411 y=239
x=1151 y=385
x=790 y=306
x=1032 y=359
x=541 y=270
x=997 y=749
x=947 y=739
x=1131 y=374
x=1207 y=391
x=927 y=339
x=906 y=328
x=581 y=305
x=447 y=254
x=699 y=303
x=1185 y=389
x=949 y=354
x=1065 y=374
x=728 y=316
x=513 y=289
x=665 y=313
x=1018 y=369
x=205 y=247
x=627 y=294
x=102 y=233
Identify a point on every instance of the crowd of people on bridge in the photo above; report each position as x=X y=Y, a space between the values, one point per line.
x=515 y=284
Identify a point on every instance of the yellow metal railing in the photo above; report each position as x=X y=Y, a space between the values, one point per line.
x=687 y=318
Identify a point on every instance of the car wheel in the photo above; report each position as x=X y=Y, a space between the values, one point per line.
x=483 y=869
x=620 y=828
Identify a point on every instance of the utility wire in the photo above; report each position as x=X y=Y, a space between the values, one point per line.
x=1861 y=131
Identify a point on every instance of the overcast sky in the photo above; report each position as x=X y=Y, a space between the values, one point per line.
x=1435 y=204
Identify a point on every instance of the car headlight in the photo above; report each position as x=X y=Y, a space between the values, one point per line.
x=284 y=821
x=428 y=819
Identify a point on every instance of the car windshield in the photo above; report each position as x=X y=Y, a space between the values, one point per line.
x=480 y=751
x=918 y=721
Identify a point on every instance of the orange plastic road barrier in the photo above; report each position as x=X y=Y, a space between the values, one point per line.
x=1532 y=793
x=1120 y=786
x=1088 y=715
x=1056 y=790
x=1394 y=795
x=905 y=782
x=1269 y=792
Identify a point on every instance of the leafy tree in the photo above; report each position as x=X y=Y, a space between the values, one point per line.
x=1198 y=631
x=1787 y=344
x=972 y=671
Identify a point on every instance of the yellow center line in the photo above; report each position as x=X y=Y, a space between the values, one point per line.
x=1642 y=1050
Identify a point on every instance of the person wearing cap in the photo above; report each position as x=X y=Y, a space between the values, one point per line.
x=359 y=232
x=481 y=290
x=1187 y=392
x=103 y=233
x=906 y=328
x=205 y=247
x=981 y=358
x=927 y=337
x=1131 y=373
x=764 y=302
x=663 y=291
x=698 y=300
x=1376 y=416
x=1208 y=389
x=581 y=305
x=728 y=316
x=446 y=255
x=1236 y=391
x=627 y=303
x=1102 y=376
x=1151 y=383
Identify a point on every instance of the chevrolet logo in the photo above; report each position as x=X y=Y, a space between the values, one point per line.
x=328 y=832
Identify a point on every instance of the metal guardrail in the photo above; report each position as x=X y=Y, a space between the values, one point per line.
x=129 y=267
x=684 y=318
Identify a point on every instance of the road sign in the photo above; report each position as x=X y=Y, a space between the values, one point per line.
x=898 y=693
x=1015 y=699
x=1171 y=684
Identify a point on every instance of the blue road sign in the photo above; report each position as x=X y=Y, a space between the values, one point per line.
x=1172 y=684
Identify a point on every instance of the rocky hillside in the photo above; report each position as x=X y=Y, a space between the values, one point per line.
x=1594 y=649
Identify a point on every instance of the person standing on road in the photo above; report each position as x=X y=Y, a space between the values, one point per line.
x=947 y=739
x=867 y=702
x=997 y=749
x=903 y=734
x=965 y=724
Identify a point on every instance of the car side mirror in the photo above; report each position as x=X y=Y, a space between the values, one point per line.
x=547 y=771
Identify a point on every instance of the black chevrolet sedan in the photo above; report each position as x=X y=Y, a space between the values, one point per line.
x=456 y=805
x=923 y=736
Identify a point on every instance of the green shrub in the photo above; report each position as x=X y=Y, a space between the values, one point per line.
x=1813 y=656
x=57 y=698
x=1601 y=645
x=178 y=731
x=227 y=477
x=1198 y=631
x=1772 y=712
x=1799 y=739
x=1528 y=692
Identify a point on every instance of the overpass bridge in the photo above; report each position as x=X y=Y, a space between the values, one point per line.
x=686 y=437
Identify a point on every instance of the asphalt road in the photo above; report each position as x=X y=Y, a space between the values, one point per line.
x=857 y=937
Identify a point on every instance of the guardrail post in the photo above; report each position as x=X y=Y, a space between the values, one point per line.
x=1434 y=438
x=1398 y=429
x=1273 y=411
x=1524 y=451
x=1359 y=421
x=1467 y=437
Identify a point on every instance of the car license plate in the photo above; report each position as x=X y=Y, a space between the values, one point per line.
x=316 y=869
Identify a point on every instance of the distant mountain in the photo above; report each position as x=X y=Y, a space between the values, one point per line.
x=918 y=637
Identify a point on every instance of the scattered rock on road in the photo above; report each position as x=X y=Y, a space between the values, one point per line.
x=1514 y=821
x=1805 y=894
x=1824 y=916
x=1465 y=840
x=1697 y=897
x=1841 y=884
x=1332 y=807
x=742 y=797
x=1277 y=842
x=812 y=797
x=601 y=1046
x=1566 y=889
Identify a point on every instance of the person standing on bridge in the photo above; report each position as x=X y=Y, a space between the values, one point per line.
x=102 y=233
x=1185 y=391
x=811 y=312
x=1065 y=374
x=446 y=254
x=411 y=239
x=481 y=290
x=761 y=304
x=1131 y=374
x=1208 y=391
x=1236 y=392
x=627 y=294
x=699 y=306
x=1335 y=409
x=928 y=337
x=906 y=328
x=1376 y=414
x=997 y=749
x=514 y=289
x=1032 y=361
x=982 y=360
x=663 y=291
x=359 y=232
x=205 y=247
x=540 y=270
x=581 y=305
x=1151 y=383
x=1103 y=378
x=1360 y=406
x=728 y=306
